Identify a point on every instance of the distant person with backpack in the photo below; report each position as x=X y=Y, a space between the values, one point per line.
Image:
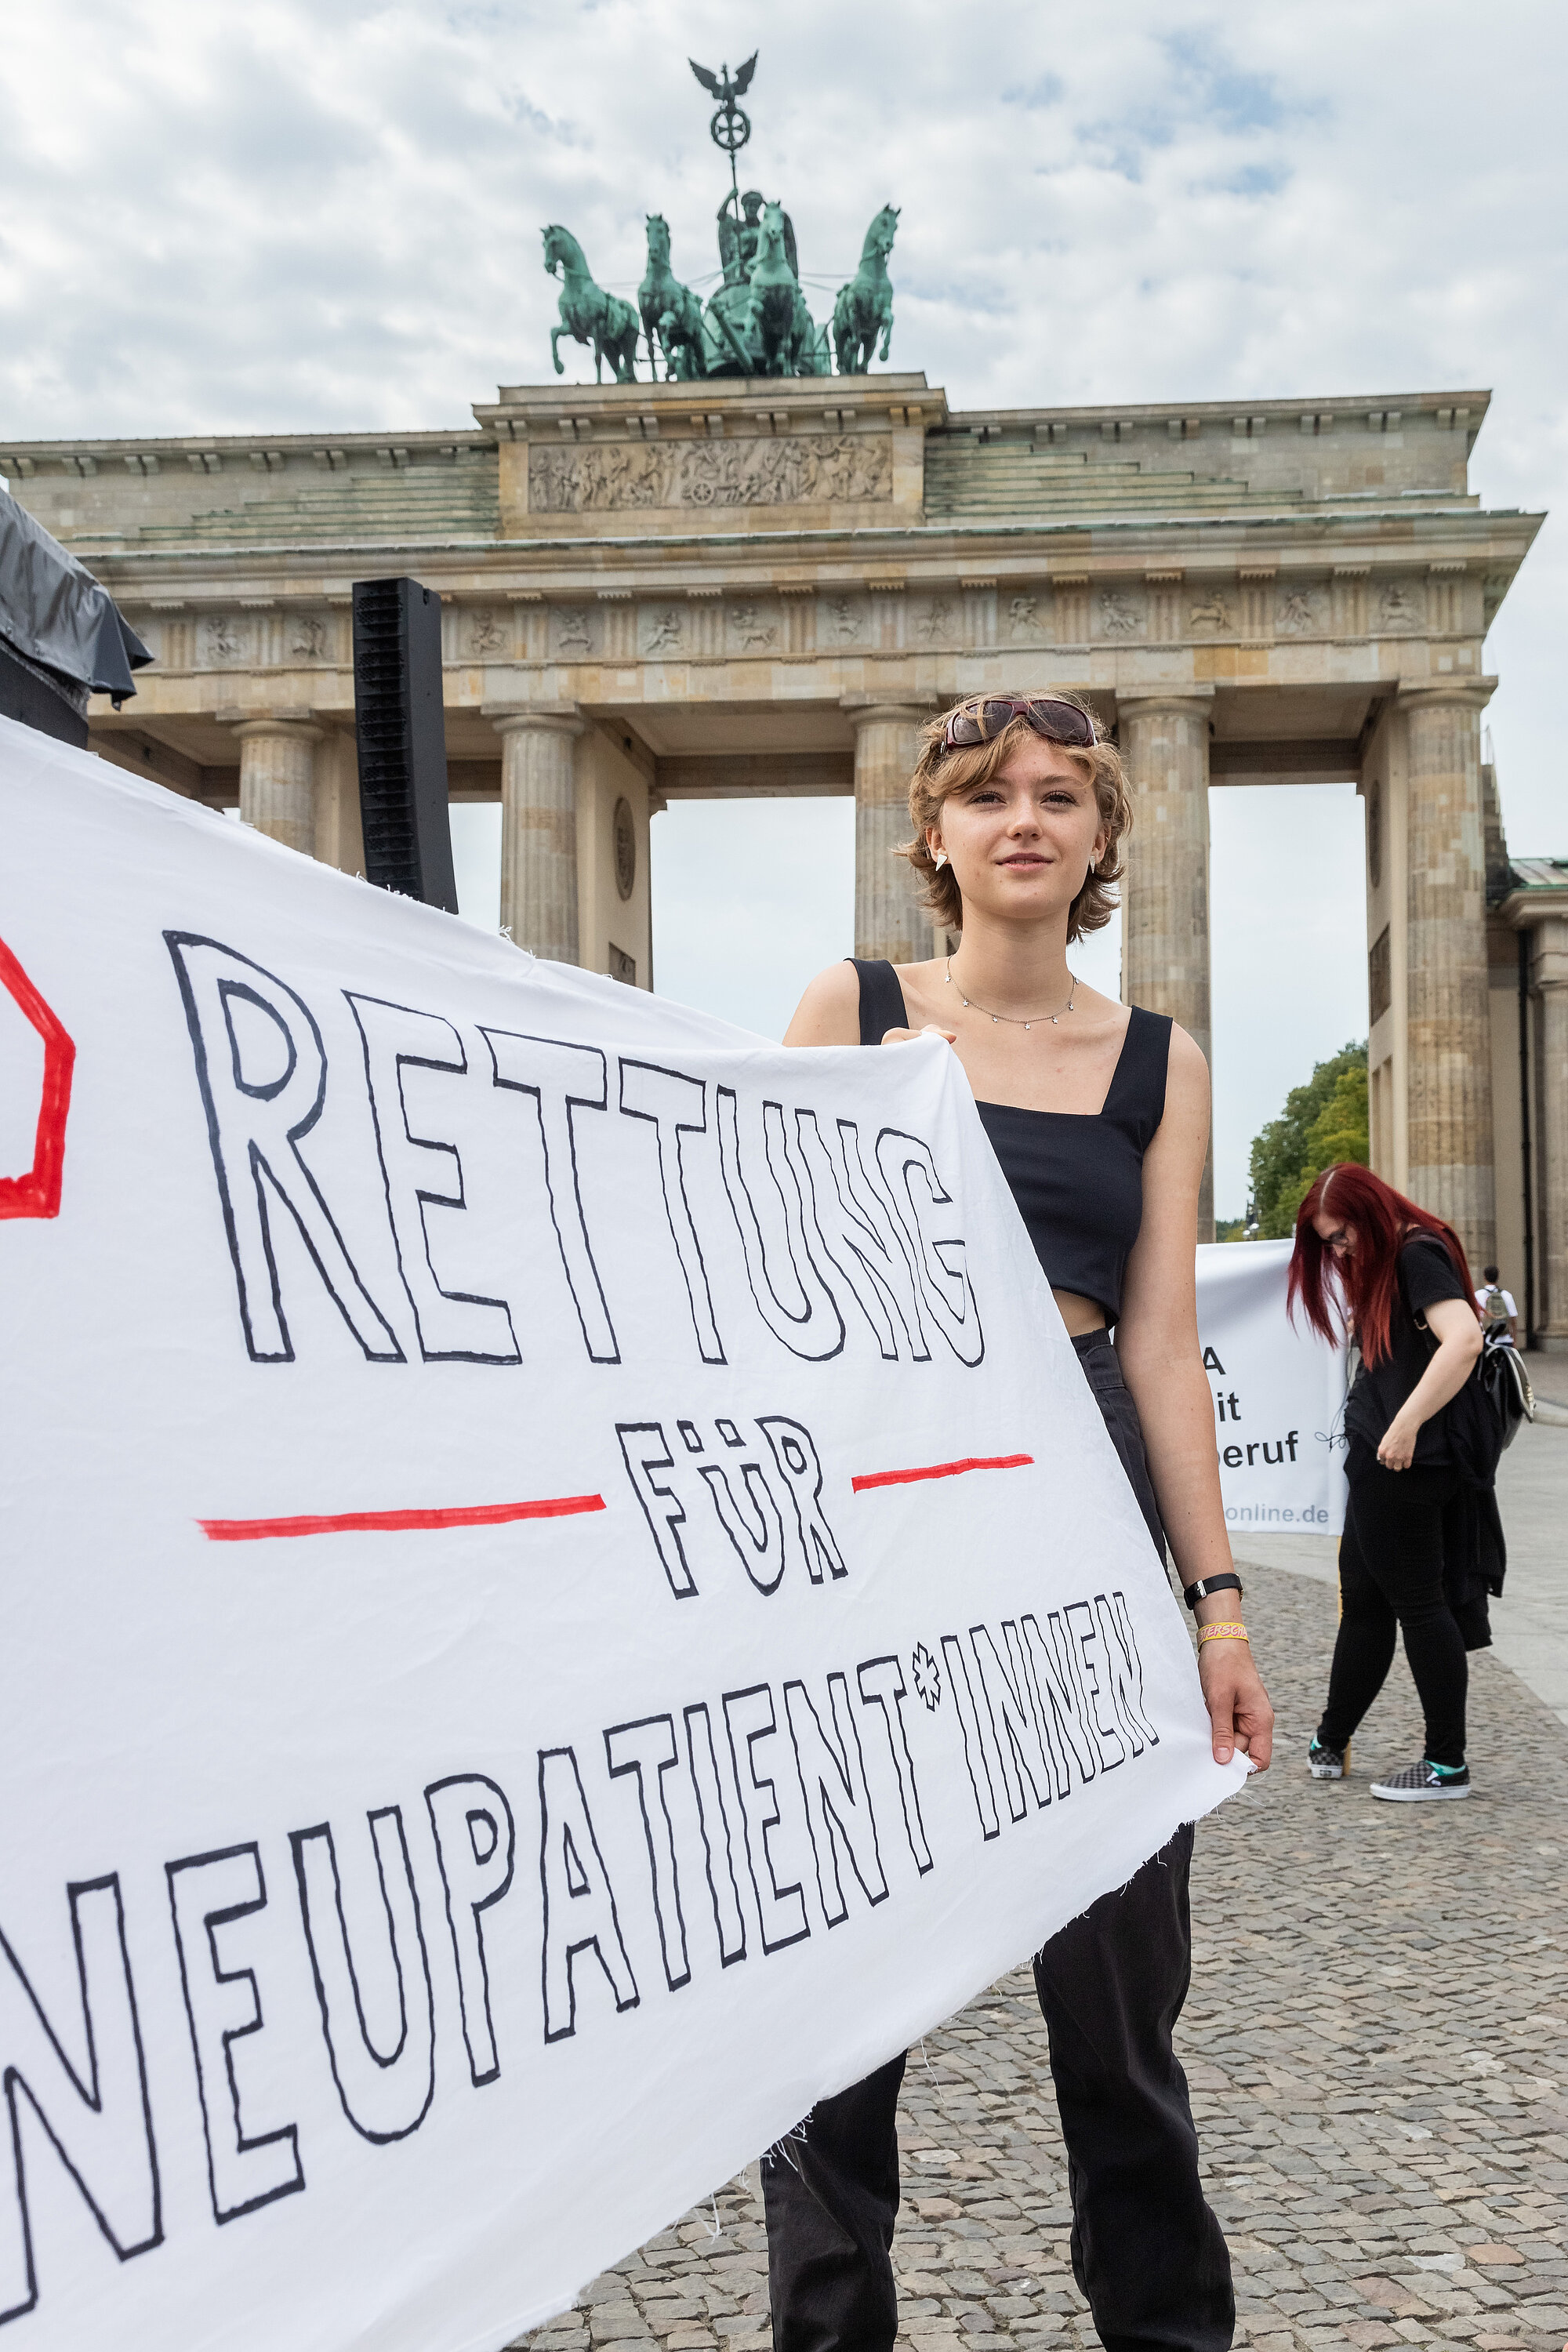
x=1500 y=1316
x=1403 y=1283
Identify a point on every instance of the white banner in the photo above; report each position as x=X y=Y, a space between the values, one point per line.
x=1278 y=1397
x=565 y=1595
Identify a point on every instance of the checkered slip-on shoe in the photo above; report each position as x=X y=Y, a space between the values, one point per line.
x=1416 y=1784
x=1325 y=1763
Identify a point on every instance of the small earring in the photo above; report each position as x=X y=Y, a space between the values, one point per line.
x=941 y=859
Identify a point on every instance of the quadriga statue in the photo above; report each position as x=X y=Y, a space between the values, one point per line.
x=864 y=307
x=671 y=312
x=757 y=321
x=588 y=314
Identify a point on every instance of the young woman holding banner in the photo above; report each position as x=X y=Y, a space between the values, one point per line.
x=1403 y=1279
x=1098 y=1116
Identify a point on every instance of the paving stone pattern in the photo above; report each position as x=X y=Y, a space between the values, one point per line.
x=1377 y=2042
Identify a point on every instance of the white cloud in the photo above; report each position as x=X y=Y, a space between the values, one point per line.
x=305 y=217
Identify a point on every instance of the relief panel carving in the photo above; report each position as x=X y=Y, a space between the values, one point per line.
x=1400 y=607
x=487 y=635
x=662 y=628
x=1212 y=613
x=308 y=637
x=572 y=632
x=1120 y=613
x=939 y=621
x=754 y=628
x=841 y=621
x=1301 y=612
x=845 y=469
x=1026 y=622
x=223 y=641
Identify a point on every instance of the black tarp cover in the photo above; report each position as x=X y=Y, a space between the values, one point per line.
x=53 y=612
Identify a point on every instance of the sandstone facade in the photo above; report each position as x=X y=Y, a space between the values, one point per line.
x=664 y=591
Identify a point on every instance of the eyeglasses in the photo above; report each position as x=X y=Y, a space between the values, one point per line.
x=1053 y=720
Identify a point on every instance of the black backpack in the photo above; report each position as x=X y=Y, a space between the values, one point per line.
x=1483 y=1419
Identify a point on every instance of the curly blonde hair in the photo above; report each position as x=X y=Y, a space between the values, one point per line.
x=939 y=772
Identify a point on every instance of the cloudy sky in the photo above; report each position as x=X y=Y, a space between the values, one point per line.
x=297 y=217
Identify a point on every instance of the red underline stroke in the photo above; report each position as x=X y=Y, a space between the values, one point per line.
x=335 y=1523
x=941 y=1470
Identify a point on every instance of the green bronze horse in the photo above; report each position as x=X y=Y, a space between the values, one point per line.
x=671 y=313
x=588 y=314
x=783 y=330
x=864 y=307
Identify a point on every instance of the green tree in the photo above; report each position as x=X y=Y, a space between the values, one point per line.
x=1323 y=1121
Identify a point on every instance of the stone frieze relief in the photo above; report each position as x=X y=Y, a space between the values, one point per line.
x=1121 y=612
x=1400 y=607
x=1301 y=612
x=846 y=469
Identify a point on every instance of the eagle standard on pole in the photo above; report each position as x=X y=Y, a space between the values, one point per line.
x=731 y=126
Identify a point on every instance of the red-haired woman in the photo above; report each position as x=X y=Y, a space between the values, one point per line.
x=1404 y=1281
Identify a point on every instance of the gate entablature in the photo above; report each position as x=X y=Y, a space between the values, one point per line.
x=843 y=452
x=750 y=585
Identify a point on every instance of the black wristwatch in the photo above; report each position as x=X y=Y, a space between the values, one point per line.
x=1192 y=1593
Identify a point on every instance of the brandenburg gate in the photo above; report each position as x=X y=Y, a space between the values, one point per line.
x=733 y=586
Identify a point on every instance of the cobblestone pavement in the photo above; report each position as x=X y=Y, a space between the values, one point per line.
x=1377 y=2042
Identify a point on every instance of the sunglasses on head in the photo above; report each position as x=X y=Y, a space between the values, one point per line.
x=1053 y=720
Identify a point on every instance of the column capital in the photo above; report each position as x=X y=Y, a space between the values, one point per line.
x=882 y=711
x=287 y=726
x=534 y=718
x=1528 y=910
x=1549 y=953
x=1187 y=701
x=1439 y=693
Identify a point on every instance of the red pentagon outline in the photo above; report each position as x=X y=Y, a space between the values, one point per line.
x=37 y=1194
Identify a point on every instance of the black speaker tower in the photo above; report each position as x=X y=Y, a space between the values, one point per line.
x=400 y=732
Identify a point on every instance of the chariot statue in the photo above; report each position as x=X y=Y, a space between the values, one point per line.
x=757 y=321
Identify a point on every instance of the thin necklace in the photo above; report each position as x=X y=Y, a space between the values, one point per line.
x=1012 y=1019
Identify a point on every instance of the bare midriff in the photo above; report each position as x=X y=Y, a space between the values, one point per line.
x=1079 y=1315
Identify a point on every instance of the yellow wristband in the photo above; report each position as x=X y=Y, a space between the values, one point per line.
x=1222 y=1633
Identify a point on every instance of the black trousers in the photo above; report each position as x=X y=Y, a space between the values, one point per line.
x=1391 y=1575
x=1146 y=2250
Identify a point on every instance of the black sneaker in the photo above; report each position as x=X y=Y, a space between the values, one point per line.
x=1325 y=1763
x=1415 y=1784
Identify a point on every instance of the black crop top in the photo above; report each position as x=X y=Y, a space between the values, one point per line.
x=1077 y=1178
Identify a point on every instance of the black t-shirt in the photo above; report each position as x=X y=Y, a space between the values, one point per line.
x=1425 y=1274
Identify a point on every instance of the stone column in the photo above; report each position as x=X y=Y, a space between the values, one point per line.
x=278 y=780
x=1449 y=1023
x=1548 y=986
x=888 y=919
x=339 y=833
x=539 y=828
x=1165 y=896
